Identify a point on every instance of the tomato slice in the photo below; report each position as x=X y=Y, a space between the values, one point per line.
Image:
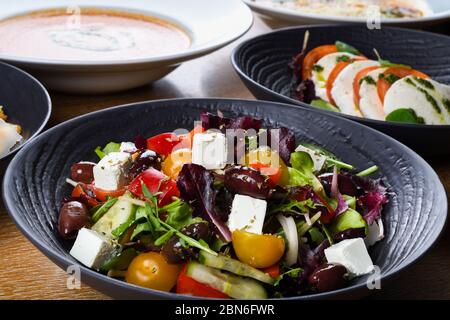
x=357 y=82
x=103 y=195
x=273 y=271
x=187 y=285
x=313 y=56
x=273 y=173
x=156 y=181
x=80 y=192
x=165 y=143
x=383 y=85
x=340 y=66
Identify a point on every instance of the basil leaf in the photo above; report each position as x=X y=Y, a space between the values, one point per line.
x=405 y=116
x=344 y=47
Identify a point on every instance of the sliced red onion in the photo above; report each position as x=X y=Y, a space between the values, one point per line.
x=290 y=230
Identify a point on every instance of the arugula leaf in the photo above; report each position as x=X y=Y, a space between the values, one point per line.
x=344 y=47
x=302 y=162
x=143 y=227
x=405 y=116
x=164 y=238
x=179 y=214
x=120 y=230
x=294 y=273
x=100 y=211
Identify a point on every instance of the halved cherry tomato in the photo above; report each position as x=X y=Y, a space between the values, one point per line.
x=258 y=250
x=151 y=270
x=383 y=85
x=326 y=217
x=187 y=285
x=313 y=56
x=340 y=66
x=269 y=163
x=165 y=143
x=357 y=82
x=156 y=181
x=190 y=135
x=174 y=162
x=81 y=191
x=103 y=195
x=274 y=174
x=273 y=271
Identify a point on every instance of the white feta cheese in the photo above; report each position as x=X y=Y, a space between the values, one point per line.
x=318 y=159
x=375 y=233
x=352 y=254
x=247 y=214
x=210 y=150
x=127 y=147
x=92 y=248
x=111 y=172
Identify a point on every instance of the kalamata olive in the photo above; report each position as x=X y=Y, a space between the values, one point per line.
x=247 y=181
x=145 y=160
x=72 y=217
x=349 y=234
x=83 y=172
x=328 y=277
x=174 y=251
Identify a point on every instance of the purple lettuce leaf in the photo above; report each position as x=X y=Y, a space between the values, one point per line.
x=342 y=205
x=286 y=143
x=196 y=187
x=371 y=205
x=212 y=121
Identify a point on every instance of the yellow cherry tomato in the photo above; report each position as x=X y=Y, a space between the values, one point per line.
x=151 y=270
x=269 y=163
x=174 y=162
x=256 y=250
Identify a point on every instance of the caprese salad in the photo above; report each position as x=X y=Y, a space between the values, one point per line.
x=339 y=78
x=227 y=210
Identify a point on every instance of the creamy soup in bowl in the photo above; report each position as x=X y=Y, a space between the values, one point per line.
x=93 y=35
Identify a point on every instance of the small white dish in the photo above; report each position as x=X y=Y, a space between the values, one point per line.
x=440 y=8
x=211 y=24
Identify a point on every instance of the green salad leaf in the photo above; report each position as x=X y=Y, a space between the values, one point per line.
x=324 y=105
x=303 y=172
x=110 y=147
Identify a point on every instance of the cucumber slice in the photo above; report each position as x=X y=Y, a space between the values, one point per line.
x=121 y=212
x=234 y=286
x=234 y=266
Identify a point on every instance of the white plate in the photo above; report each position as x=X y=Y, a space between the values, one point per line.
x=211 y=24
x=441 y=9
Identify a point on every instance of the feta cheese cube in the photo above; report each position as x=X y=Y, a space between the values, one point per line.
x=210 y=150
x=375 y=233
x=127 y=147
x=111 y=172
x=318 y=159
x=92 y=248
x=352 y=254
x=247 y=214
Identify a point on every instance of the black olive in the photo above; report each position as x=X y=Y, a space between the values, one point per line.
x=328 y=277
x=144 y=161
x=248 y=182
x=72 y=217
x=349 y=234
x=83 y=172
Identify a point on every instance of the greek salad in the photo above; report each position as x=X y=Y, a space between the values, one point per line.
x=338 y=77
x=227 y=210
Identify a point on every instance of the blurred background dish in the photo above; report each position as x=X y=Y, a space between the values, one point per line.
x=266 y=72
x=396 y=12
x=98 y=46
x=26 y=104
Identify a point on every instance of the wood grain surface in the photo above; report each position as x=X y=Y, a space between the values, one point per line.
x=25 y=273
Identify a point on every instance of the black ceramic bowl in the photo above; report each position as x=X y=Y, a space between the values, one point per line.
x=262 y=63
x=34 y=183
x=25 y=102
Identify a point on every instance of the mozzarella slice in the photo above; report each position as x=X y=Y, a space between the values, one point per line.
x=9 y=137
x=443 y=94
x=323 y=70
x=407 y=93
x=370 y=103
x=342 y=91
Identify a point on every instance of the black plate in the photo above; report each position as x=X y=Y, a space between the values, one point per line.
x=262 y=64
x=25 y=101
x=34 y=183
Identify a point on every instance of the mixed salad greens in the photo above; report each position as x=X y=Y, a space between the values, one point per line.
x=338 y=77
x=227 y=210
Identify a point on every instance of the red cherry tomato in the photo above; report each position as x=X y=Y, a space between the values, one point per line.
x=165 y=143
x=329 y=215
x=190 y=136
x=81 y=191
x=103 y=195
x=187 y=285
x=273 y=271
x=156 y=181
x=273 y=173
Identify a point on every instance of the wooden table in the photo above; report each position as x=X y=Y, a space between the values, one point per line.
x=25 y=273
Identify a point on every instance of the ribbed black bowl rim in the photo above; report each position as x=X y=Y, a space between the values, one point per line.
x=286 y=99
x=47 y=116
x=63 y=261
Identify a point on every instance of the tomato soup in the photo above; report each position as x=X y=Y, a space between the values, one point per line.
x=93 y=35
